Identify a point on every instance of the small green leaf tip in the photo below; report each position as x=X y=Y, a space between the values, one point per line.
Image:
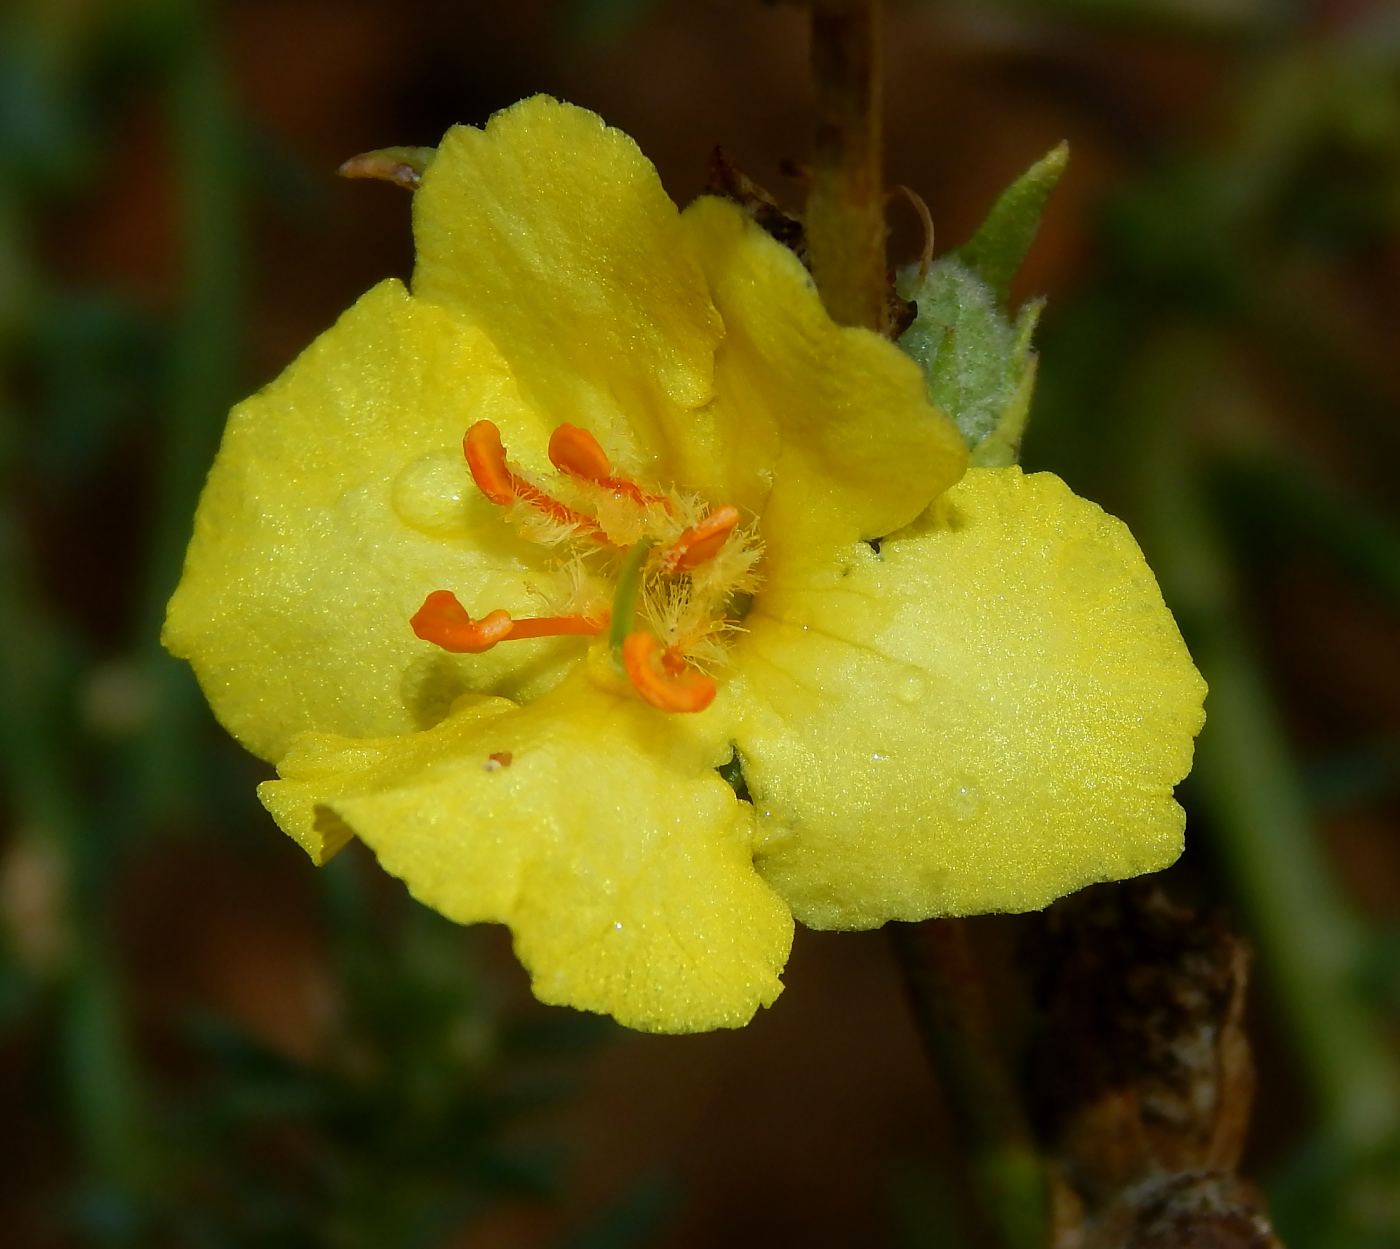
x=977 y=361
x=996 y=251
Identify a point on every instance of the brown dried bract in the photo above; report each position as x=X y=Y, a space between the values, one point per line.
x=1143 y=1073
x=403 y=166
x=729 y=182
x=901 y=312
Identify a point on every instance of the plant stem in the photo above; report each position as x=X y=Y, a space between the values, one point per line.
x=951 y=1011
x=845 y=216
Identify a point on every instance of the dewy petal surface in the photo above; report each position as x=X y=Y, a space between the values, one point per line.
x=988 y=714
x=551 y=231
x=836 y=416
x=600 y=833
x=338 y=501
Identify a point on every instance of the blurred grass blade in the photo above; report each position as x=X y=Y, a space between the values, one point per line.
x=1312 y=942
x=596 y=23
x=1301 y=507
x=204 y=369
x=632 y=1220
x=204 y=379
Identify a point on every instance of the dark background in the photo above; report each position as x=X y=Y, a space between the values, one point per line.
x=203 y=1041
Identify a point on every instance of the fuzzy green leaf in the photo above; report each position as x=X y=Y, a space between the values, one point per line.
x=996 y=251
x=978 y=361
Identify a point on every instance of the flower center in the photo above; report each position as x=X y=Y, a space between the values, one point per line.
x=661 y=572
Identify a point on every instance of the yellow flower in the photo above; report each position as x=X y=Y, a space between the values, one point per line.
x=948 y=691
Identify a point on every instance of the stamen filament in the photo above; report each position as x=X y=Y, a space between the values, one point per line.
x=652 y=672
x=554 y=626
x=701 y=542
x=443 y=621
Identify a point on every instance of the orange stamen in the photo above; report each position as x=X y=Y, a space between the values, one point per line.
x=555 y=626
x=443 y=621
x=701 y=541
x=575 y=451
x=486 y=457
x=652 y=672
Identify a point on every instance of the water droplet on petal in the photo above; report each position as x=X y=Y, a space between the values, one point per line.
x=911 y=687
x=966 y=800
x=435 y=495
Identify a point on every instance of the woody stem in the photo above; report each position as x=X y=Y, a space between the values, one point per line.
x=954 y=1021
x=845 y=216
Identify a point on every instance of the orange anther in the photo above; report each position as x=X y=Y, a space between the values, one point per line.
x=443 y=621
x=575 y=451
x=652 y=675
x=701 y=541
x=486 y=458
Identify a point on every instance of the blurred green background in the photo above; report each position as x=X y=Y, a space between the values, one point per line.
x=205 y=1042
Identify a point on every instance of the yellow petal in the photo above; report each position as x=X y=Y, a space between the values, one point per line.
x=339 y=500
x=619 y=858
x=988 y=714
x=836 y=417
x=552 y=232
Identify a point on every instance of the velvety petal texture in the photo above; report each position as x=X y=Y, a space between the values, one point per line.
x=989 y=713
x=340 y=499
x=596 y=827
x=948 y=693
x=551 y=231
x=851 y=443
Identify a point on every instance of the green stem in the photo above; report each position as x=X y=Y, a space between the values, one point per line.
x=954 y=1021
x=629 y=587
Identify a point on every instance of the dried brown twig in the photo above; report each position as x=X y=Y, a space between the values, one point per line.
x=845 y=212
x=1143 y=1075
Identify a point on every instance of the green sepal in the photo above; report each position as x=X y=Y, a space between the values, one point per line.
x=996 y=251
x=978 y=361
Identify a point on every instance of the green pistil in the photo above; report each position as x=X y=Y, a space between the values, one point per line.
x=629 y=586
